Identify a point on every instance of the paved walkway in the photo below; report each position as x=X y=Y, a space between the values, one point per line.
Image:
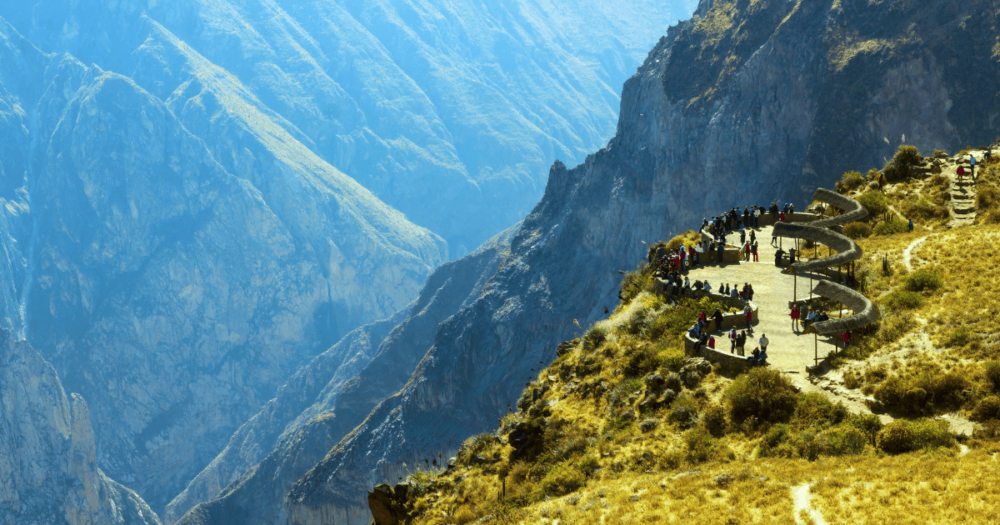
x=773 y=289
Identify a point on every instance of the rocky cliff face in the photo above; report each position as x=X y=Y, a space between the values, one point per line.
x=48 y=459
x=447 y=110
x=746 y=103
x=327 y=399
x=172 y=294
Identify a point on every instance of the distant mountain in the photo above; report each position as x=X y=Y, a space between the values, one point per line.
x=448 y=110
x=49 y=464
x=746 y=103
x=174 y=283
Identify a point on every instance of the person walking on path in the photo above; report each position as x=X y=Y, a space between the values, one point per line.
x=753 y=236
x=795 y=318
x=909 y=227
x=746 y=251
x=753 y=251
x=763 y=342
x=972 y=164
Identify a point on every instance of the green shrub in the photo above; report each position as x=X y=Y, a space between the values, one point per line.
x=641 y=362
x=902 y=163
x=761 y=393
x=594 y=338
x=842 y=440
x=857 y=230
x=562 y=479
x=991 y=371
x=701 y=446
x=891 y=227
x=588 y=465
x=922 y=209
x=683 y=412
x=987 y=197
x=928 y=434
x=815 y=409
x=868 y=424
x=896 y=437
x=904 y=300
x=958 y=338
x=875 y=202
x=906 y=436
x=923 y=280
x=715 y=420
x=987 y=409
x=849 y=181
x=922 y=394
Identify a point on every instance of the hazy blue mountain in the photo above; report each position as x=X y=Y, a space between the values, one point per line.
x=174 y=283
x=48 y=459
x=745 y=103
x=448 y=110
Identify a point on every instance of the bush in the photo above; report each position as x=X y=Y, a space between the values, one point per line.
x=991 y=371
x=923 y=280
x=642 y=361
x=562 y=479
x=902 y=163
x=875 y=203
x=987 y=197
x=815 y=409
x=896 y=437
x=891 y=227
x=715 y=420
x=688 y=238
x=857 y=230
x=928 y=434
x=986 y=409
x=868 y=424
x=842 y=441
x=958 y=338
x=849 y=181
x=594 y=338
x=904 y=300
x=700 y=445
x=761 y=393
x=684 y=412
x=922 y=209
x=922 y=394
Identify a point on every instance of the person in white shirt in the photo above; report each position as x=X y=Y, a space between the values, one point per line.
x=763 y=342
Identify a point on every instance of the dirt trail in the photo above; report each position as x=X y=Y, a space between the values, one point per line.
x=803 y=504
x=908 y=252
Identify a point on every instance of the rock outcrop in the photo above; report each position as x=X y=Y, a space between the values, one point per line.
x=48 y=459
x=318 y=407
x=175 y=296
x=762 y=100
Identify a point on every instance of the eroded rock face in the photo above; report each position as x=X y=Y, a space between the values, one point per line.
x=789 y=96
x=175 y=296
x=327 y=399
x=48 y=459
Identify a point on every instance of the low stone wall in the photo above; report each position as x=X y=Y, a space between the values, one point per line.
x=729 y=363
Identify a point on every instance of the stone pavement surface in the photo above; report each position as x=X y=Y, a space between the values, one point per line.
x=773 y=289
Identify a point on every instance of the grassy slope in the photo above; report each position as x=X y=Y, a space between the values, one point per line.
x=600 y=458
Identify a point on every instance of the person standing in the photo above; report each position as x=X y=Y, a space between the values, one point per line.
x=750 y=291
x=741 y=341
x=753 y=251
x=763 y=342
x=748 y=316
x=718 y=320
x=721 y=252
x=795 y=318
x=732 y=340
x=972 y=164
x=910 y=226
x=746 y=251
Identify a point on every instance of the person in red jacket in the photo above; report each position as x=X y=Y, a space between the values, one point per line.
x=795 y=318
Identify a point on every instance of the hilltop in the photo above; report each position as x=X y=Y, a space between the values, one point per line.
x=626 y=425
